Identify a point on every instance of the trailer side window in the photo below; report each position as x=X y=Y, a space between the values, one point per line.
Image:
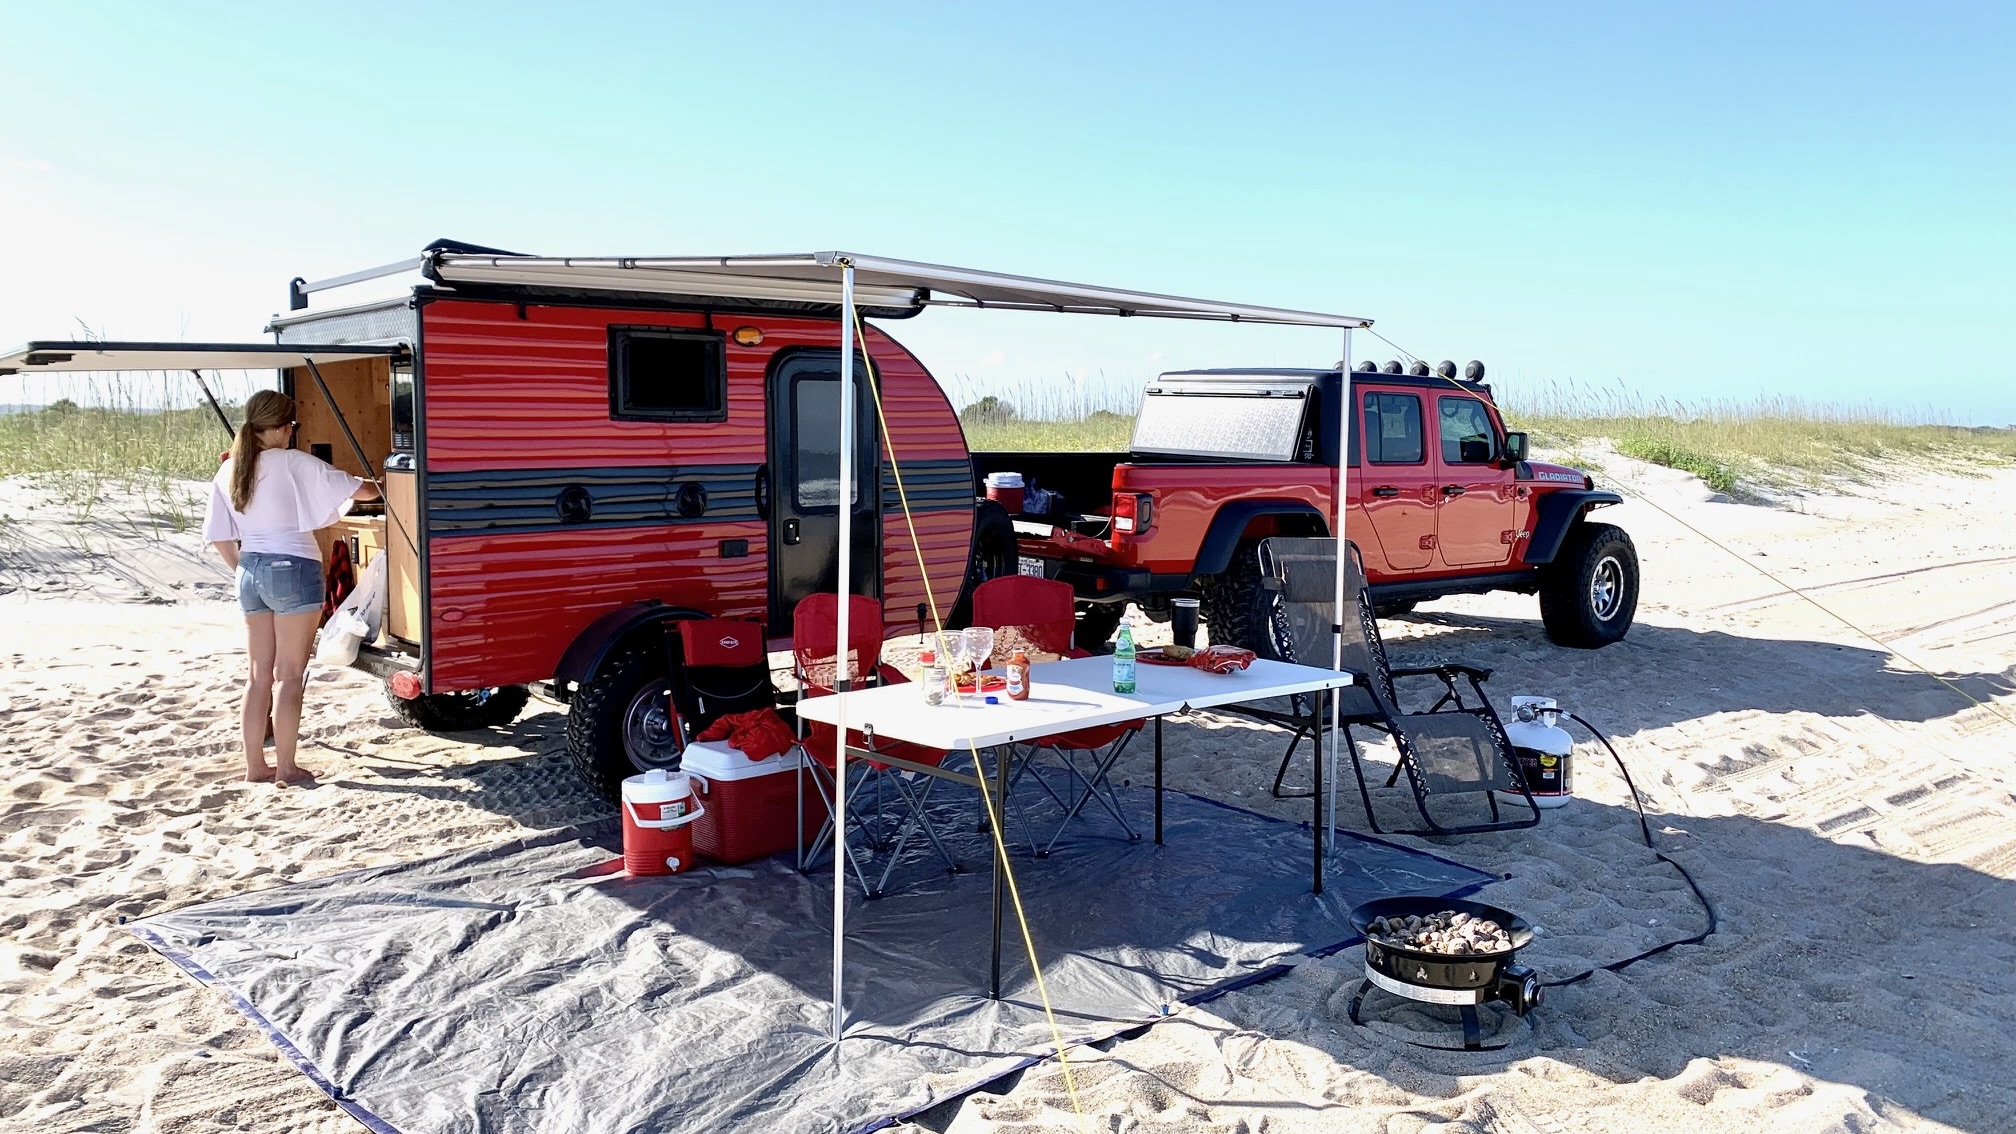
x=657 y=375
x=1393 y=429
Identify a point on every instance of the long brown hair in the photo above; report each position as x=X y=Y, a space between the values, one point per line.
x=268 y=409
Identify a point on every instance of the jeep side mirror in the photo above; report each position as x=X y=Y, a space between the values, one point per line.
x=1515 y=448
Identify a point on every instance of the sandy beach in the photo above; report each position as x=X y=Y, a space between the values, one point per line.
x=1852 y=819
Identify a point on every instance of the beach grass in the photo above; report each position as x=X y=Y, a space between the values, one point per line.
x=82 y=453
x=1769 y=442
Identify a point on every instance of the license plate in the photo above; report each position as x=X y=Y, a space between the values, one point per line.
x=1029 y=566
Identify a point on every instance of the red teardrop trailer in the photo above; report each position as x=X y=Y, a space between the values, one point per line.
x=578 y=452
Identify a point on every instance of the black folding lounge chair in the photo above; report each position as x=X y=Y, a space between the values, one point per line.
x=1454 y=748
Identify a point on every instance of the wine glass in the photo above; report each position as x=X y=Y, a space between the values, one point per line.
x=953 y=649
x=979 y=646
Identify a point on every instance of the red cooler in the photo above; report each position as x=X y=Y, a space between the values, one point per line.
x=751 y=805
x=659 y=813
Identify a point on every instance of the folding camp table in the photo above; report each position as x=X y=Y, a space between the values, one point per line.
x=1064 y=696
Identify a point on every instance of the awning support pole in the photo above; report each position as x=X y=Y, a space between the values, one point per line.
x=1344 y=411
x=844 y=675
x=215 y=408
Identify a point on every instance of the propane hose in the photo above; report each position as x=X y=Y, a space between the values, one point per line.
x=1645 y=829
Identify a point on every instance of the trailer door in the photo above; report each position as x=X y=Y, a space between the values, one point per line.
x=804 y=482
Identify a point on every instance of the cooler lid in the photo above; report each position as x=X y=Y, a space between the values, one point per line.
x=720 y=760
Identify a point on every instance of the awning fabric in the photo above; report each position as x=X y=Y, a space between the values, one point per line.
x=813 y=277
x=74 y=357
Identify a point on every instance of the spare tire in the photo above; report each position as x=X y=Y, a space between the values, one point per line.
x=461 y=711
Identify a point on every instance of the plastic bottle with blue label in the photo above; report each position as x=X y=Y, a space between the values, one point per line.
x=1123 y=660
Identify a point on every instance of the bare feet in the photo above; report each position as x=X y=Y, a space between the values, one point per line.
x=259 y=775
x=294 y=776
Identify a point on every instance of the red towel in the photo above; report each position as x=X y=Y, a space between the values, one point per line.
x=1221 y=659
x=759 y=733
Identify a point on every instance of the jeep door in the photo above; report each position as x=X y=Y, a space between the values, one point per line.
x=1399 y=488
x=1478 y=523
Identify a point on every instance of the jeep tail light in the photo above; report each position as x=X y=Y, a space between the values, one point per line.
x=1133 y=513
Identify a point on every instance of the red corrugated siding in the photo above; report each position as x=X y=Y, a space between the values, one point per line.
x=505 y=392
x=518 y=600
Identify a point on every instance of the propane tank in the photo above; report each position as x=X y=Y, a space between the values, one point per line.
x=1541 y=750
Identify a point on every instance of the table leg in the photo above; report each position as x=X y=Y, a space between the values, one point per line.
x=1316 y=824
x=1000 y=805
x=1158 y=781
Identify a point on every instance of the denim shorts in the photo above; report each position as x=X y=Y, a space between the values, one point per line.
x=278 y=584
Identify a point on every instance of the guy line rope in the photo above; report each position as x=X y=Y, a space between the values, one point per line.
x=995 y=815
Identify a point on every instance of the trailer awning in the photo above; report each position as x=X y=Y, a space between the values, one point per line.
x=813 y=277
x=74 y=357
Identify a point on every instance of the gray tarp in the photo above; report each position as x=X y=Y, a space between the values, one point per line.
x=528 y=987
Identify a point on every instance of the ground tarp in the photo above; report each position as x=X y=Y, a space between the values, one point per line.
x=527 y=987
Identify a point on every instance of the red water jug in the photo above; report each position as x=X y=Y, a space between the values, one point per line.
x=658 y=812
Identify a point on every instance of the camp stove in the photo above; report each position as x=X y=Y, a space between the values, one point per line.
x=1462 y=981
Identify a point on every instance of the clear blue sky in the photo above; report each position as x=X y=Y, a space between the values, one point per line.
x=1699 y=201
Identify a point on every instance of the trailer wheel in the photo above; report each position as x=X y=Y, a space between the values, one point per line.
x=459 y=712
x=1589 y=594
x=1239 y=611
x=622 y=721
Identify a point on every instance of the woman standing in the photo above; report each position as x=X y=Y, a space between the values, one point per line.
x=266 y=503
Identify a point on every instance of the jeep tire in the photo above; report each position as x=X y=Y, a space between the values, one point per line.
x=1589 y=594
x=1096 y=623
x=1237 y=608
x=993 y=556
x=460 y=712
x=622 y=721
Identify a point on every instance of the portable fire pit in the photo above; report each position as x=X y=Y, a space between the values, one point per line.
x=1446 y=951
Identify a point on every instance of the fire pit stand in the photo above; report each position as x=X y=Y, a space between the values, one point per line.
x=1462 y=981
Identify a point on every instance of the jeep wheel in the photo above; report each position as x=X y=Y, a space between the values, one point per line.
x=1392 y=609
x=622 y=721
x=1239 y=611
x=1096 y=623
x=1589 y=594
x=459 y=712
x=993 y=556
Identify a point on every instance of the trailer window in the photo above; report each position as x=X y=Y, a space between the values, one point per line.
x=815 y=422
x=1393 y=429
x=657 y=375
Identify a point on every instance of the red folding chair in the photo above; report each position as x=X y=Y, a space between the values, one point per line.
x=1040 y=614
x=819 y=662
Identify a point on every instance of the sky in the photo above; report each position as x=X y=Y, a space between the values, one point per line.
x=1708 y=202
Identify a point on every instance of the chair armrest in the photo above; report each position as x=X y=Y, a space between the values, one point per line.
x=1444 y=670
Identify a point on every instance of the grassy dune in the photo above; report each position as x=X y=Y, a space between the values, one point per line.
x=86 y=452
x=1771 y=443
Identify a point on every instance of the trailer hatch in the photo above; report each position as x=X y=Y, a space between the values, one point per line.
x=59 y=357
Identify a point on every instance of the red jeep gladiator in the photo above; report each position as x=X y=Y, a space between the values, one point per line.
x=1439 y=496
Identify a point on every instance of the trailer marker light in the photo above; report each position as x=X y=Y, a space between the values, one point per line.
x=747 y=336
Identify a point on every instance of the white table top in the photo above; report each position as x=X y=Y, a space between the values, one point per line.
x=1063 y=695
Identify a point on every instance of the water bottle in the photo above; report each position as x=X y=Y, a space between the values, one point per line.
x=1123 y=660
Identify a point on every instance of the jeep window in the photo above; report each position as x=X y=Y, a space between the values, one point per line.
x=1467 y=436
x=663 y=375
x=1393 y=429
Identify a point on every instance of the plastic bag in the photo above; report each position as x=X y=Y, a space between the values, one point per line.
x=356 y=620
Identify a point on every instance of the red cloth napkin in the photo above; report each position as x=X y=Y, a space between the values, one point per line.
x=1221 y=659
x=759 y=733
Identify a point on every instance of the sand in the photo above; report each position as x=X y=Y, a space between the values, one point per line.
x=1852 y=819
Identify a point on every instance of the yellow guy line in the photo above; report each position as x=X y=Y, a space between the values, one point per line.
x=1757 y=567
x=986 y=796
